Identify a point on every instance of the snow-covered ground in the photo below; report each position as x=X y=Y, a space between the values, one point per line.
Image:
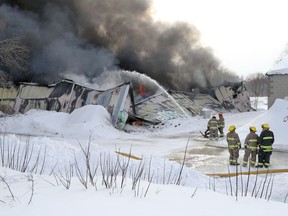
x=49 y=144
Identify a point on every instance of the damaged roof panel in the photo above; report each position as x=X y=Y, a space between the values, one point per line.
x=158 y=107
x=31 y=92
x=233 y=96
x=65 y=96
x=195 y=103
x=8 y=92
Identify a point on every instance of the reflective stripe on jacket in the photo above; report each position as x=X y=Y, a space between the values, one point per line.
x=213 y=123
x=251 y=141
x=266 y=140
x=221 y=122
x=233 y=140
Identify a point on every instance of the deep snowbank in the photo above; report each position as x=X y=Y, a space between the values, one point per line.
x=277 y=118
x=94 y=122
x=88 y=121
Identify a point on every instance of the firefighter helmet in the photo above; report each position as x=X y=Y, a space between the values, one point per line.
x=265 y=125
x=232 y=128
x=252 y=128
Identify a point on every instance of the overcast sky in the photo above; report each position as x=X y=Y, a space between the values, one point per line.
x=247 y=36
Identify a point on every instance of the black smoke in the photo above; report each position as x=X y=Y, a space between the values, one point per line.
x=92 y=37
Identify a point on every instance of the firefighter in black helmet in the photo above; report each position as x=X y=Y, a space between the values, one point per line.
x=266 y=141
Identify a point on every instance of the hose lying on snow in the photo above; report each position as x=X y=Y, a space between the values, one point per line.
x=264 y=171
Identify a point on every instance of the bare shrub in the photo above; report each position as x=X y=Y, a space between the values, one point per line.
x=109 y=170
x=30 y=178
x=90 y=172
x=19 y=157
x=123 y=165
x=179 y=179
x=136 y=174
x=65 y=176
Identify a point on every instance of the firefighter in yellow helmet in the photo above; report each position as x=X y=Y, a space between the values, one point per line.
x=266 y=141
x=234 y=145
x=250 y=144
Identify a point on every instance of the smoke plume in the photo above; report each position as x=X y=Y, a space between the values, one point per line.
x=96 y=37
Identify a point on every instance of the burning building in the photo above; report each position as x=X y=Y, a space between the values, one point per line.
x=94 y=40
x=66 y=96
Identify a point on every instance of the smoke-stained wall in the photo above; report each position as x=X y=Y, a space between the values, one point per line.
x=95 y=37
x=66 y=96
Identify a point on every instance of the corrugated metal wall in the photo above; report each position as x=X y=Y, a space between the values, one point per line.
x=64 y=96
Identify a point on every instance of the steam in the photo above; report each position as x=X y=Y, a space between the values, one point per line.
x=96 y=37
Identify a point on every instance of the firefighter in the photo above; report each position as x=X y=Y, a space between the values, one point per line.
x=266 y=141
x=234 y=145
x=250 y=144
x=221 y=124
x=213 y=125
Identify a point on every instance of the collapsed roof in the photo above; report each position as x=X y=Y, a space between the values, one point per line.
x=122 y=102
x=66 y=96
x=233 y=96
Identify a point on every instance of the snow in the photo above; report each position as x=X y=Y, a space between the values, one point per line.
x=280 y=67
x=275 y=117
x=58 y=137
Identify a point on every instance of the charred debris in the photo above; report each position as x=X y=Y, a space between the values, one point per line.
x=126 y=103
